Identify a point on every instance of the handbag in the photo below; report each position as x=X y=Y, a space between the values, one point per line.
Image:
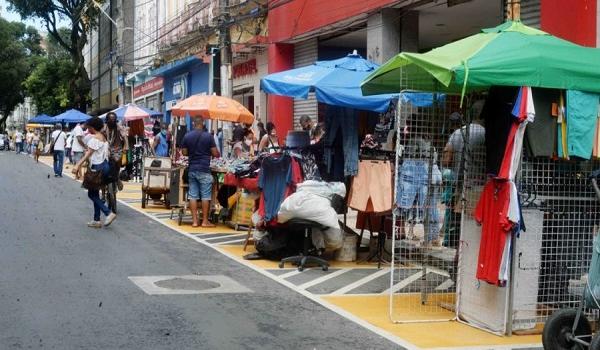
x=51 y=150
x=92 y=180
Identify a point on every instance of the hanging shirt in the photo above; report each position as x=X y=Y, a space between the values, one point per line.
x=492 y=213
x=275 y=175
x=582 y=113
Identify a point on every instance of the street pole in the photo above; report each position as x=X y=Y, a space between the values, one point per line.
x=225 y=49
x=120 y=52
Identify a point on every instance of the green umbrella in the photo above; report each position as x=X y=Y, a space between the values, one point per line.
x=511 y=54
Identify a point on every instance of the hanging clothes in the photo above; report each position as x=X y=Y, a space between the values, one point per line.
x=372 y=183
x=492 y=213
x=537 y=134
x=343 y=121
x=498 y=122
x=275 y=176
x=561 y=120
x=582 y=112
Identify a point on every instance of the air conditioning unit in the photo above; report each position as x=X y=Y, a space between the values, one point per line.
x=169 y=104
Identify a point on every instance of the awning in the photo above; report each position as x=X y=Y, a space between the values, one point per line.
x=175 y=66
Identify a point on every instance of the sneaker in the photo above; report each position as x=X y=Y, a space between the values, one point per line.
x=94 y=224
x=110 y=218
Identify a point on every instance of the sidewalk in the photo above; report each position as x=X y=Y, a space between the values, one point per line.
x=356 y=291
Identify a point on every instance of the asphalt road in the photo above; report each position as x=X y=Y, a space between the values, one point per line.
x=65 y=286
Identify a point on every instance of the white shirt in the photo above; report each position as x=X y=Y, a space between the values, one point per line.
x=18 y=137
x=100 y=150
x=61 y=139
x=76 y=146
x=69 y=141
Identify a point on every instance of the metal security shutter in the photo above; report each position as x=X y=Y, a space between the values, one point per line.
x=530 y=12
x=305 y=53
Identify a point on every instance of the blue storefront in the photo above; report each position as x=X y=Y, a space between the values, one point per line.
x=182 y=78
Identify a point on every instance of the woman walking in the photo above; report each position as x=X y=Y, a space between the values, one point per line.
x=97 y=153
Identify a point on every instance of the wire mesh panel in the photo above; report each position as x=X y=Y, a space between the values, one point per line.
x=426 y=223
x=561 y=216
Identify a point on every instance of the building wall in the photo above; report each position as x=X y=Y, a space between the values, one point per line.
x=303 y=16
x=575 y=20
x=196 y=80
x=146 y=23
x=21 y=114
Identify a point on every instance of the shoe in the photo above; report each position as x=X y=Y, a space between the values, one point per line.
x=120 y=185
x=110 y=218
x=94 y=224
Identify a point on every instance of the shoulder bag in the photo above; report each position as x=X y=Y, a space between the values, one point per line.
x=51 y=150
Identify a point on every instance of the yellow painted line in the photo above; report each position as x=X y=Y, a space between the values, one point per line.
x=374 y=309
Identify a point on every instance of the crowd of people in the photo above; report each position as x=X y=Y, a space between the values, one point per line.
x=101 y=147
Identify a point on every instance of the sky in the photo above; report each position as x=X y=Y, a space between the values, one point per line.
x=14 y=17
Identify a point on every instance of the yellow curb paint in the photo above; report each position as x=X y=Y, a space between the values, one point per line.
x=375 y=310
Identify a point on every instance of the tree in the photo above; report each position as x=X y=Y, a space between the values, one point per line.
x=19 y=44
x=49 y=83
x=83 y=16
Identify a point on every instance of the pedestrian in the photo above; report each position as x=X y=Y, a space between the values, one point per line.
x=118 y=144
x=307 y=124
x=35 y=140
x=59 y=139
x=38 y=151
x=77 y=145
x=6 y=142
x=237 y=134
x=160 y=144
x=18 y=141
x=199 y=146
x=269 y=142
x=97 y=153
x=28 y=141
x=261 y=130
x=68 y=147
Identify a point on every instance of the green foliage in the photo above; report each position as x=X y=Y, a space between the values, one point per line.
x=49 y=85
x=19 y=45
x=83 y=16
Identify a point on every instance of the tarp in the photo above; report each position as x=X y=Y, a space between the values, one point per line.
x=335 y=82
x=132 y=111
x=43 y=119
x=511 y=54
x=71 y=116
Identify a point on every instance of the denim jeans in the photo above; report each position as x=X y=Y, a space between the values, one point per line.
x=19 y=147
x=344 y=120
x=94 y=195
x=59 y=158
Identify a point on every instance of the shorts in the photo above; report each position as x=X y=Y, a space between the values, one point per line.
x=201 y=184
x=373 y=182
x=77 y=157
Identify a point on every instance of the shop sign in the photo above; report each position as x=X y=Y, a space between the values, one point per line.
x=148 y=87
x=246 y=68
x=180 y=87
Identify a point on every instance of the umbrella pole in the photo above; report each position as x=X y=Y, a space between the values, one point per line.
x=513 y=10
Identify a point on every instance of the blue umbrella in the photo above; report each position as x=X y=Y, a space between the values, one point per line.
x=43 y=119
x=335 y=82
x=132 y=111
x=71 y=116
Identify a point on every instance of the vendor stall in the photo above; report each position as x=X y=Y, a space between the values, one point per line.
x=210 y=107
x=513 y=141
x=340 y=159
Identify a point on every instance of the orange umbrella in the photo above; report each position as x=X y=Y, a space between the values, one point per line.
x=213 y=107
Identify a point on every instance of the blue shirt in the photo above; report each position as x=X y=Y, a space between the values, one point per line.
x=198 y=144
x=162 y=149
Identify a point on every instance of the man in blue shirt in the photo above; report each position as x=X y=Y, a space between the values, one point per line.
x=199 y=145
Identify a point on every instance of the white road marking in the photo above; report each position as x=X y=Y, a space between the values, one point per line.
x=445 y=285
x=294 y=272
x=313 y=297
x=322 y=279
x=230 y=242
x=224 y=236
x=361 y=281
x=405 y=282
